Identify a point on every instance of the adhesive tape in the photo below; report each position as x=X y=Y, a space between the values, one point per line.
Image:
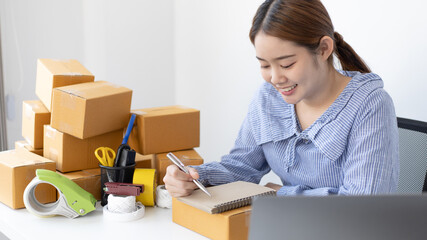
x=121 y=204
x=163 y=199
x=124 y=217
x=146 y=176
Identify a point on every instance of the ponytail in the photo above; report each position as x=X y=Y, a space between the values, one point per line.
x=349 y=59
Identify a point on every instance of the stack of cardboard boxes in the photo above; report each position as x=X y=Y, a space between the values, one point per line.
x=64 y=127
x=73 y=116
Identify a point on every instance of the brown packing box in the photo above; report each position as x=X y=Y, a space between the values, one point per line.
x=24 y=145
x=17 y=169
x=89 y=180
x=166 y=129
x=144 y=161
x=34 y=116
x=187 y=157
x=133 y=140
x=233 y=224
x=74 y=154
x=53 y=73
x=90 y=109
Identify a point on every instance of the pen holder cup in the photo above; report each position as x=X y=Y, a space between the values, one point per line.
x=114 y=174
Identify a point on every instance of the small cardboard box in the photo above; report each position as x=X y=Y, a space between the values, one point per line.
x=57 y=73
x=24 y=145
x=17 y=169
x=34 y=116
x=89 y=180
x=90 y=109
x=187 y=157
x=233 y=224
x=144 y=161
x=166 y=129
x=74 y=154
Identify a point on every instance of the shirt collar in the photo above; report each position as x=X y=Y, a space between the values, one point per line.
x=283 y=120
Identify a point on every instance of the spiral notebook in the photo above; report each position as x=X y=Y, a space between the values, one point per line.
x=226 y=197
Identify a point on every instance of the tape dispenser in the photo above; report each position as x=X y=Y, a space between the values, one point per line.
x=73 y=200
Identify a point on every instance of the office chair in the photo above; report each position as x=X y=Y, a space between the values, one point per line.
x=413 y=156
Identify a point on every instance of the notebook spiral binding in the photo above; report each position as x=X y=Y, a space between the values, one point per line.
x=238 y=203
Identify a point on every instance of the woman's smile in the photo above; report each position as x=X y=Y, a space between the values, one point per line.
x=288 y=90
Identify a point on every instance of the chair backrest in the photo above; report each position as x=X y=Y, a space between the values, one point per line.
x=413 y=156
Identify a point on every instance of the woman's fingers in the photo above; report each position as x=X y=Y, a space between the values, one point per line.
x=179 y=183
x=175 y=173
x=193 y=172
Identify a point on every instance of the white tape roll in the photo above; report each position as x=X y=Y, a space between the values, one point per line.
x=163 y=199
x=121 y=204
x=124 y=217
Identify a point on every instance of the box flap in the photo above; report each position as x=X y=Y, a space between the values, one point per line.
x=151 y=112
x=140 y=157
x=93 y=90
x=88 y=173
x=182 y=155
x=15 y=158
x=65 y=67
x=35 y=106
x=21 y=144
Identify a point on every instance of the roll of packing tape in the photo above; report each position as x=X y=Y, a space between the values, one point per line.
x=124 y=217
x=146 y=176
x=121 y=204
x=163 y=198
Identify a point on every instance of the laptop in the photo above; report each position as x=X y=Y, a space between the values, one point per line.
x=376 y=217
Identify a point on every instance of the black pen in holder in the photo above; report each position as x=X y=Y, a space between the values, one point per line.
x=123 y=174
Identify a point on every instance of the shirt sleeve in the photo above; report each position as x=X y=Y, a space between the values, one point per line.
x=245 y=162
x=372 y=158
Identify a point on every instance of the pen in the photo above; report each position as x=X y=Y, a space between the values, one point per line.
x=181 y=166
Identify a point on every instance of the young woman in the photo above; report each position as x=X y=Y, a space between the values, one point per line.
x=321 y=130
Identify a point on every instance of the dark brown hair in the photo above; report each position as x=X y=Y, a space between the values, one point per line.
x=304 y=22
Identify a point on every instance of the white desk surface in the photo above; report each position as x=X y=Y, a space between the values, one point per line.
x=156 y=224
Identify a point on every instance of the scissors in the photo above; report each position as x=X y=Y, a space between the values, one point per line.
x=107 y=156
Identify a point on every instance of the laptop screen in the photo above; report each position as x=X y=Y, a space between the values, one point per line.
x=339 y=217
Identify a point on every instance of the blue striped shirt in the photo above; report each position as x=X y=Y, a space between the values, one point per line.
x=352 y=148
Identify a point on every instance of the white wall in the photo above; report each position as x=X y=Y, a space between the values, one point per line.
x=216 y=69
x=128 y=42
x=391 y=37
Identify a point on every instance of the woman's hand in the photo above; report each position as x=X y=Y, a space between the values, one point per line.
x=274 y=186
x=179 y=183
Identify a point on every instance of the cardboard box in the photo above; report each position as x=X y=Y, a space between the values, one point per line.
x=57 y=73
x=74 y=154
x=144 y=161
x=34 y=116
x=187 y=157
x=90 y=109
x=17 y=169
x=233 y=224
x=166 y=129
x=89 y=180
x=24 y=145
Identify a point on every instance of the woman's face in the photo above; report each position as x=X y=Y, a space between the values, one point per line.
x=291 y=69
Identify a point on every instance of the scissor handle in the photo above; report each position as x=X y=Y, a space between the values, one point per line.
x=106 y=159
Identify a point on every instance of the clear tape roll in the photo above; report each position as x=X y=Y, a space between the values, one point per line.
x=163 y=198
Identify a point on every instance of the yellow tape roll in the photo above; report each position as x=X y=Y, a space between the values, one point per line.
x=147 y=177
